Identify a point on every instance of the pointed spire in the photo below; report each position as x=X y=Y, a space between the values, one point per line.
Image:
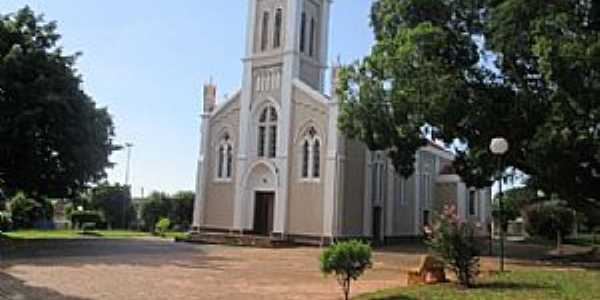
x=210 y=96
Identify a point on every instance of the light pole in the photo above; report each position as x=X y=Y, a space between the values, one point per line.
x=128 y=146
x=499 y=147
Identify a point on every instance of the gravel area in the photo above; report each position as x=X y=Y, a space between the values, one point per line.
x=153 y=269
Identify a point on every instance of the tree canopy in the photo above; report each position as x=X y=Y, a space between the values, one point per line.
x=463 y=72
x=53 y=138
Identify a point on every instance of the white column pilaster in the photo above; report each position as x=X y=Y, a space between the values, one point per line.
x=202 y=172
x=418 y=199
x=390 y=199
x=331 y=184
x=324 y=41
x=368 y=202
x=290 y=71
x=240 y=210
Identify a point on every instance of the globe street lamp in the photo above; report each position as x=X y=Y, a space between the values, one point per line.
x=499 y=147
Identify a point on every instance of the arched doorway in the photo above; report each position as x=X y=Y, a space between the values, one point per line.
x=264 y=207
x=260 y=199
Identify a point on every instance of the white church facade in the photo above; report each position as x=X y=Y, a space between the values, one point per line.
x=272 y=161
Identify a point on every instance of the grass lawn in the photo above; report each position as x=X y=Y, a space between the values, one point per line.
x=72 y=234
x=586 y=240
x=534 y=284
x=176 y=235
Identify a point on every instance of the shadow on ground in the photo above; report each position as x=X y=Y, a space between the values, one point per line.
x=138 y=252
x=523 y=254
x=12 y=288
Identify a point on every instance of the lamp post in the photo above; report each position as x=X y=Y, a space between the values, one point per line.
x=499 y=147
x=129 y=146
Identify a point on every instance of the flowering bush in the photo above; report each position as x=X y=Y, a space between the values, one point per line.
x=454 y=242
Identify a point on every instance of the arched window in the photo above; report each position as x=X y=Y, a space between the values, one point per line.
x=277 y=32
x=303 y=33
x=316 y=159
x=311 y=155
x=267 y=133
x=311 y=42
x=305 y=158
x=265 y=31
x=225 y=158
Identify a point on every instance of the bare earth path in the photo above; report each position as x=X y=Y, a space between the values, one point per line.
x=151 y=269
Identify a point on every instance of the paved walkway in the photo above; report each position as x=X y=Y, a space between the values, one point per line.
x=142 y=269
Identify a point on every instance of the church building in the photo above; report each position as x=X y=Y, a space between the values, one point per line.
x=272 y=161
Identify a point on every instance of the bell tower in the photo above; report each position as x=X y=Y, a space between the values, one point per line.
x=280 y=28
x=286 y=40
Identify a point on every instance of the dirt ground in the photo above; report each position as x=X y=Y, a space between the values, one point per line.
x=150 y=269
x=154 y=269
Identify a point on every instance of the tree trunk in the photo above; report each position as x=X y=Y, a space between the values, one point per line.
x=558 y=243
x=347 y=289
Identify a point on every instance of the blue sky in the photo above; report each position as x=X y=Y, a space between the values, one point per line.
x=147 y=60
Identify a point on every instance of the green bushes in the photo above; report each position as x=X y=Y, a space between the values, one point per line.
x=347 y=260
x=177 y=208
x=83 y=219
x=454 y=242
x=114 y=201
x=550 y=220
x=162 y=226
x=30 y=213
x=5 y=221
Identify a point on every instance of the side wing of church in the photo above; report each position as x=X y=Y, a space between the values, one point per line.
x=272 y=161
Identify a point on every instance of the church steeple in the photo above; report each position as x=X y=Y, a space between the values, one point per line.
x=290 y=27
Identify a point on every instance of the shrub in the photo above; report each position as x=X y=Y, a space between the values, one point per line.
x=347 y=260
x=81 y=218
x=162 y=226
x=27 y=212
x=5 y=221
x=155 y=207
x=550 y=220
x=182 y=209
x=454 y=242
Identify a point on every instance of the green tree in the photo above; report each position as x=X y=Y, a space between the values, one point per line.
x=162 y=226
x=3 y=201
x=551 y=220
x=27 y=213
x=182 y=209
x=114 y=201
x=53 y=138
x=155 y=207
x=514 y=202
x=347 y=261
x=464 y=72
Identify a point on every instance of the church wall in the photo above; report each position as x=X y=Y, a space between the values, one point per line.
x=445 y=194
x=305 y=210
x=220 y=194
x=354 y=188
x=404 y=214
x=310 y=72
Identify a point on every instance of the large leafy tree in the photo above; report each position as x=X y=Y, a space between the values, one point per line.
x=114 y=201
x=466 y=71
x=53 y=138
